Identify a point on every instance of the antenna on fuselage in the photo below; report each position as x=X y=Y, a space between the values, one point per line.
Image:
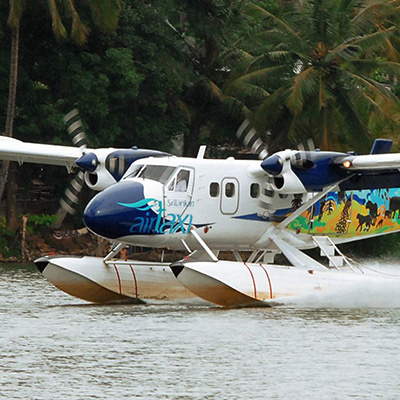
x=201 y=152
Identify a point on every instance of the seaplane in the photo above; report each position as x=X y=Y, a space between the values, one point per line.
x=233 y=219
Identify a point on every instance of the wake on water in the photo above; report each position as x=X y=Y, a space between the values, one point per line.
x=382 y=294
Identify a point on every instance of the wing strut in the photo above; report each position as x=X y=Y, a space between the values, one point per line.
x=296 y=257
x=203 y=244
x=114 y=251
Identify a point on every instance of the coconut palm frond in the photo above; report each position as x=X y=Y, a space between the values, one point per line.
x=246 y=93
x=373 y=41
x=367 y=83
x=369 y=15
x=258 y=12
x=324 y=94
x=305 y=84
x=365 y=67
x=353 y=125
x=270 y=111
x=235 y=108
x=344 y=51
x=79 y=31
x=392 y=52
x=260 y=76
x=383 y=108
x=58 y=27
x=105 y=13
x=187 y=110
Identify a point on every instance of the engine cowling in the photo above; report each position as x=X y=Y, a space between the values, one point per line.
x=303 y=171
x=104 y=167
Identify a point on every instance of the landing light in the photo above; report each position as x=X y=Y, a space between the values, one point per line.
x=347 y=164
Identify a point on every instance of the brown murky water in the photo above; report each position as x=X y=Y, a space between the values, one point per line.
x=56 y=347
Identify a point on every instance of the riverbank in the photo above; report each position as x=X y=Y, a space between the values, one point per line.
x=48 y=242
x=79 y=242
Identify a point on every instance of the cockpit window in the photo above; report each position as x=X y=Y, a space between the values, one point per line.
x=134 y=171
x=180 y=182
x=157 y=173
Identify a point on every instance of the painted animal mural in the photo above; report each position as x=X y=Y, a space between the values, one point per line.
x=353 y=213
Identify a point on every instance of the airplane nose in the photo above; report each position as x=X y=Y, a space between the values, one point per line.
x=272 y=165
x=119 y=210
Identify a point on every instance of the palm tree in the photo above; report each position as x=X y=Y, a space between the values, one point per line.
x=312 y=71
x=104 y=13
x=205 y=29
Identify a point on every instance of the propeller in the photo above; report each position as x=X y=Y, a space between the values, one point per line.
x=248 y=135
x=75 y=129
x=291 y=172
x=69 y=199
x=279 y=165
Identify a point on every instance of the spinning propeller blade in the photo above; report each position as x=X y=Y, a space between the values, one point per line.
x=69 y=199
x=75 y=129
x=248 y=135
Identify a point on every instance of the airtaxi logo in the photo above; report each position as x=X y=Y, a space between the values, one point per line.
x=151 y=221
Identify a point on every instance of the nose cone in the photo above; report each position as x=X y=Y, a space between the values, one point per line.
x=272 y=165
x=120 y=210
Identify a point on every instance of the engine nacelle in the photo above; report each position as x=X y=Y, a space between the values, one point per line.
x=303 y=171
x=287 y=182
x=99 y=180
x=104 y=167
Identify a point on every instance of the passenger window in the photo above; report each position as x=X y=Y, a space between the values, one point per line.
x=214 y=189
x=254 y=190
x=230 y=189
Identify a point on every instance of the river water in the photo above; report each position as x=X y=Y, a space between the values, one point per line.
x=54 y=346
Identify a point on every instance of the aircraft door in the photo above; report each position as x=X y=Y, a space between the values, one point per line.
x=178 y=192
x=229 y=196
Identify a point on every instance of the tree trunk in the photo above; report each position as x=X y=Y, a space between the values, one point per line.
x=12 y=208
x=12 y=92
x=11 y=113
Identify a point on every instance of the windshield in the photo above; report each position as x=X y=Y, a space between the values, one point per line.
x=133 y=171
x=157 y=173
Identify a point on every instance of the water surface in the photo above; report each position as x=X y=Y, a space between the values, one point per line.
x=54 y=346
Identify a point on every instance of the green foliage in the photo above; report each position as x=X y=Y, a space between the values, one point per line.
x=7 y=242
x=126 y=85
x=313 y=70
x=39 y=223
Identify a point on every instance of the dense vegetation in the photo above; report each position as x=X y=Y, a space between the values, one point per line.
x=187 y=68
x=195 y=69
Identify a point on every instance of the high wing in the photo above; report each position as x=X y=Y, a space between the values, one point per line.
x=15 y=150
x=311 y=171
x=102 y=167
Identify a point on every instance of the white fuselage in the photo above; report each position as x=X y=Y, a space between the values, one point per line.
x=225 y=200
